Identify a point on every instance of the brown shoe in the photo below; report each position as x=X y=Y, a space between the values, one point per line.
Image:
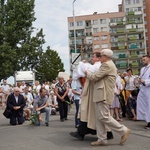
x=99 y=143
x=125 y=136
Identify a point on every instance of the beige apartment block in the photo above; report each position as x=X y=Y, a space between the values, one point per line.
x=146 y=7
x=126 y=32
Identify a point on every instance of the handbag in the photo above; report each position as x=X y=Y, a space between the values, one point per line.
x=7 y=112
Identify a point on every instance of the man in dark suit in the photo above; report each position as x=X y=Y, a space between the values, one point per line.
x=16 y=103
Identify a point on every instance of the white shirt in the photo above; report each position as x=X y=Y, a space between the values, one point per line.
x=22 y=87
x=76 y=85
x=52 y=100
x=82 y=67
x=28 y=96
x=70 y=94
x=6 y=88
x=16 y=97
x=47 y=87
x=37 y=88
x=94 y=67
x=130 y=85
x=118 y=83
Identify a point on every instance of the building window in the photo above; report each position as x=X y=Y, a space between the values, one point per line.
x=95 y=22
x=96 y=38
x=95 y=30
x=103 y=21
x=71 y=24
x=79 y=41
x=104 y=45
x=139 y=9
x=128 y=2
x=104 y=37
x=103 y=29
x=136 y=1
x=96 y=46
x=79 y=23
x=89 y=40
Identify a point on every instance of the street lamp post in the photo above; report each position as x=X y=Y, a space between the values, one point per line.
x=75 y=47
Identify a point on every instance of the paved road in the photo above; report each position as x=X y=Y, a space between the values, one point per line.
x=56 y=136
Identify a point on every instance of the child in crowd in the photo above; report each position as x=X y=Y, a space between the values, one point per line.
x=131 y=105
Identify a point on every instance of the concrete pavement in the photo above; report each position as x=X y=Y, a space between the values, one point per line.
x=56 y=136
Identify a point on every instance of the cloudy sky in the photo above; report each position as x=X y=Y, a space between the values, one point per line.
x=52 y=17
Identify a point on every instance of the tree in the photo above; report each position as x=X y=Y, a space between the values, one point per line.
x=32 y=51
x=49 y=66
x=19 y=49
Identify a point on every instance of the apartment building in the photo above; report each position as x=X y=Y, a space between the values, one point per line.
x=126 y=32
x=146 y=7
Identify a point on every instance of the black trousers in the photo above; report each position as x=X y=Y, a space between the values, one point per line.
x=83 y=129
x=63 y=109
x=122 y=103
x=16 y=119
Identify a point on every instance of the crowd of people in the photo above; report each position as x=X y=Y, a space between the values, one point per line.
x=108 y=96
x=25 y=100
x=101 y=94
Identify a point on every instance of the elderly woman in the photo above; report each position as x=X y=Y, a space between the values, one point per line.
x=61 y=90
x=53 y=103
x=16 y=103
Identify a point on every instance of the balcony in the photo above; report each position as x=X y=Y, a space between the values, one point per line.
x=133 y=38
x=88 y=34
x=80 y=34
x=114 y=47
x=71 y=35
x=136 y=41
x=134 y=13
x=77 y=35
x=121 y=39
x=120 y=30
x=114 y=40
x=130 y=13
x=135 y=71
x=113 y=24
x=73 y=51
x=118 y=55
x=122 y=56
x=132 y=30
x=135 y=30
x=134 y=64
x=121 y=47
x=137 y=54
x=122 y=65
x=133 y=46
x=133 y=55
x=134 y=21
x=120 y=22
x=131 y=21
x=88 y=26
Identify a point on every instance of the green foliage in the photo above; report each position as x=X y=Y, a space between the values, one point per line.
x=6 y=59
x=16 y=19
x=19 y=49
x=49 y=66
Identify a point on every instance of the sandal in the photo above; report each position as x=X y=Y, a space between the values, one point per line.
x=119 y=120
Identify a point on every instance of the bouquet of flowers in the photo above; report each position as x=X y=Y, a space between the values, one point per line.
x=69 y=103
x=34 y=118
